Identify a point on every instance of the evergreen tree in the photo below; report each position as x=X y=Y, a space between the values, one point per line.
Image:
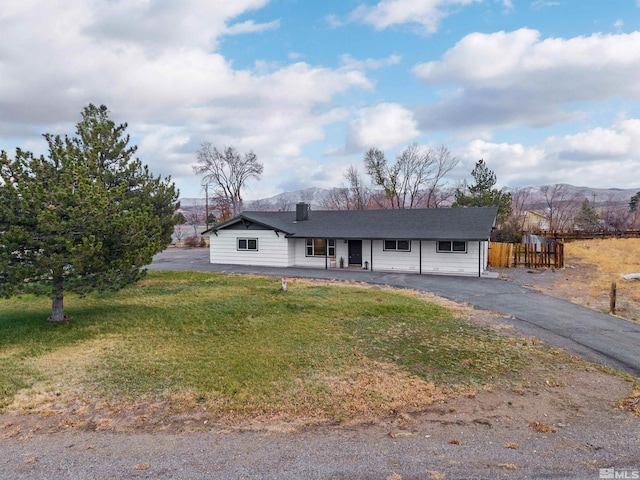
x=483 y=194
x=633 y=203
x=87 y=217
x=587 y=218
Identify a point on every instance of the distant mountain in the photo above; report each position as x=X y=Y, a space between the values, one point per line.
x=282 y=201
x=191 y=202
x=313 y=196
x=535 y=197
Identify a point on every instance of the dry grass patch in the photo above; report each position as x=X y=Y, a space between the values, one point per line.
x=540 y=427
x=612 y=258
x=378 y=388
x=632 y=403
x=64 y=378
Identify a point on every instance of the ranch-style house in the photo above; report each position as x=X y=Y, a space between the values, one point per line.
x=444 y=241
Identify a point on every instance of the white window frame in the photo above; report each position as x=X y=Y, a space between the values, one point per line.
x=329 y=247
x=247 y=241
x=452 y=245
x=396 y=245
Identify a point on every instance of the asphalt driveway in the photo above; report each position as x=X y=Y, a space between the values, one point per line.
x=595 y=336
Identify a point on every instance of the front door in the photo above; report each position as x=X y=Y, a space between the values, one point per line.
x=355 y=252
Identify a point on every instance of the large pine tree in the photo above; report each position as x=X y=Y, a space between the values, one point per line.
x=483 y=194
x=87 y=217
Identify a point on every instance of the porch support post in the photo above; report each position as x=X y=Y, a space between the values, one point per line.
x=480 y=249
x=326 y=254
x=420 y=257
x=371 y=252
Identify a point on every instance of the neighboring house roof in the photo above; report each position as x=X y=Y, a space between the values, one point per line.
x=409 y=224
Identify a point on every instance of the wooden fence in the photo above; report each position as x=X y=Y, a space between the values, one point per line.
x=528 y=255
x=569 y=236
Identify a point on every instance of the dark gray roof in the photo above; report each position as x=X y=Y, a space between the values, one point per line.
x=414 y=224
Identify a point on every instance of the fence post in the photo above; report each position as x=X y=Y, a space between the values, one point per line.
x=612 y=298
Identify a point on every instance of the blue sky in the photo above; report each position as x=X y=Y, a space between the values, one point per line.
x=545 y=91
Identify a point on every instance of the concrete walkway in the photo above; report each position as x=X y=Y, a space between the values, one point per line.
x=595 y=336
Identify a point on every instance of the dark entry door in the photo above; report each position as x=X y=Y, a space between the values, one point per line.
x=355 y=252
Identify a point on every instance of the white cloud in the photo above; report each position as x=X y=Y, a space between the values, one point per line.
x=382 y=126
x=516 y=78
x=539 y=4
x=426 y=13
x=157 y=24
x=600 y=157
x=508 y=5
x=334 y=22
x=154 y=65
x=621 y=140
x=511 y=162
x=370 y=63
x=250 y=27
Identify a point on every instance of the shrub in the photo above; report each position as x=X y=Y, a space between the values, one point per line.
x=192 y=241
x=509 y=233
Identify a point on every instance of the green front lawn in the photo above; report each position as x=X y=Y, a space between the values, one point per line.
x=241 y=346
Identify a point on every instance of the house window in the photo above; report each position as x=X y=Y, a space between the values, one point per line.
x=452 y=246
x=397 y=245
x=320 y=247
x=247 y=244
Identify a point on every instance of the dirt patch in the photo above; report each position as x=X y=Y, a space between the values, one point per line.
x=558 y=420
x=554 y=397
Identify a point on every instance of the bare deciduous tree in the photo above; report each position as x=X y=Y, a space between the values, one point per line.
x=221 y=207
x=354 y=196
x=337 y=198
x=284 y=203
x=519 y=201
x=195 y=217
x=561 y=205
x=414 y=179
x=359 y=193
x=178 y=233
x=306 y=196
x=260 y=205
x=443 y=163
x=228 y=171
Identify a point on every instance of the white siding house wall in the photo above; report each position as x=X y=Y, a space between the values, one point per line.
x=278 y=251
x=300 y=258
x=298 y=253
x=453 y=263
x=273 y=251
x=394 y=261
x=291 y=246
x=366 y=252
x=342 y=250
